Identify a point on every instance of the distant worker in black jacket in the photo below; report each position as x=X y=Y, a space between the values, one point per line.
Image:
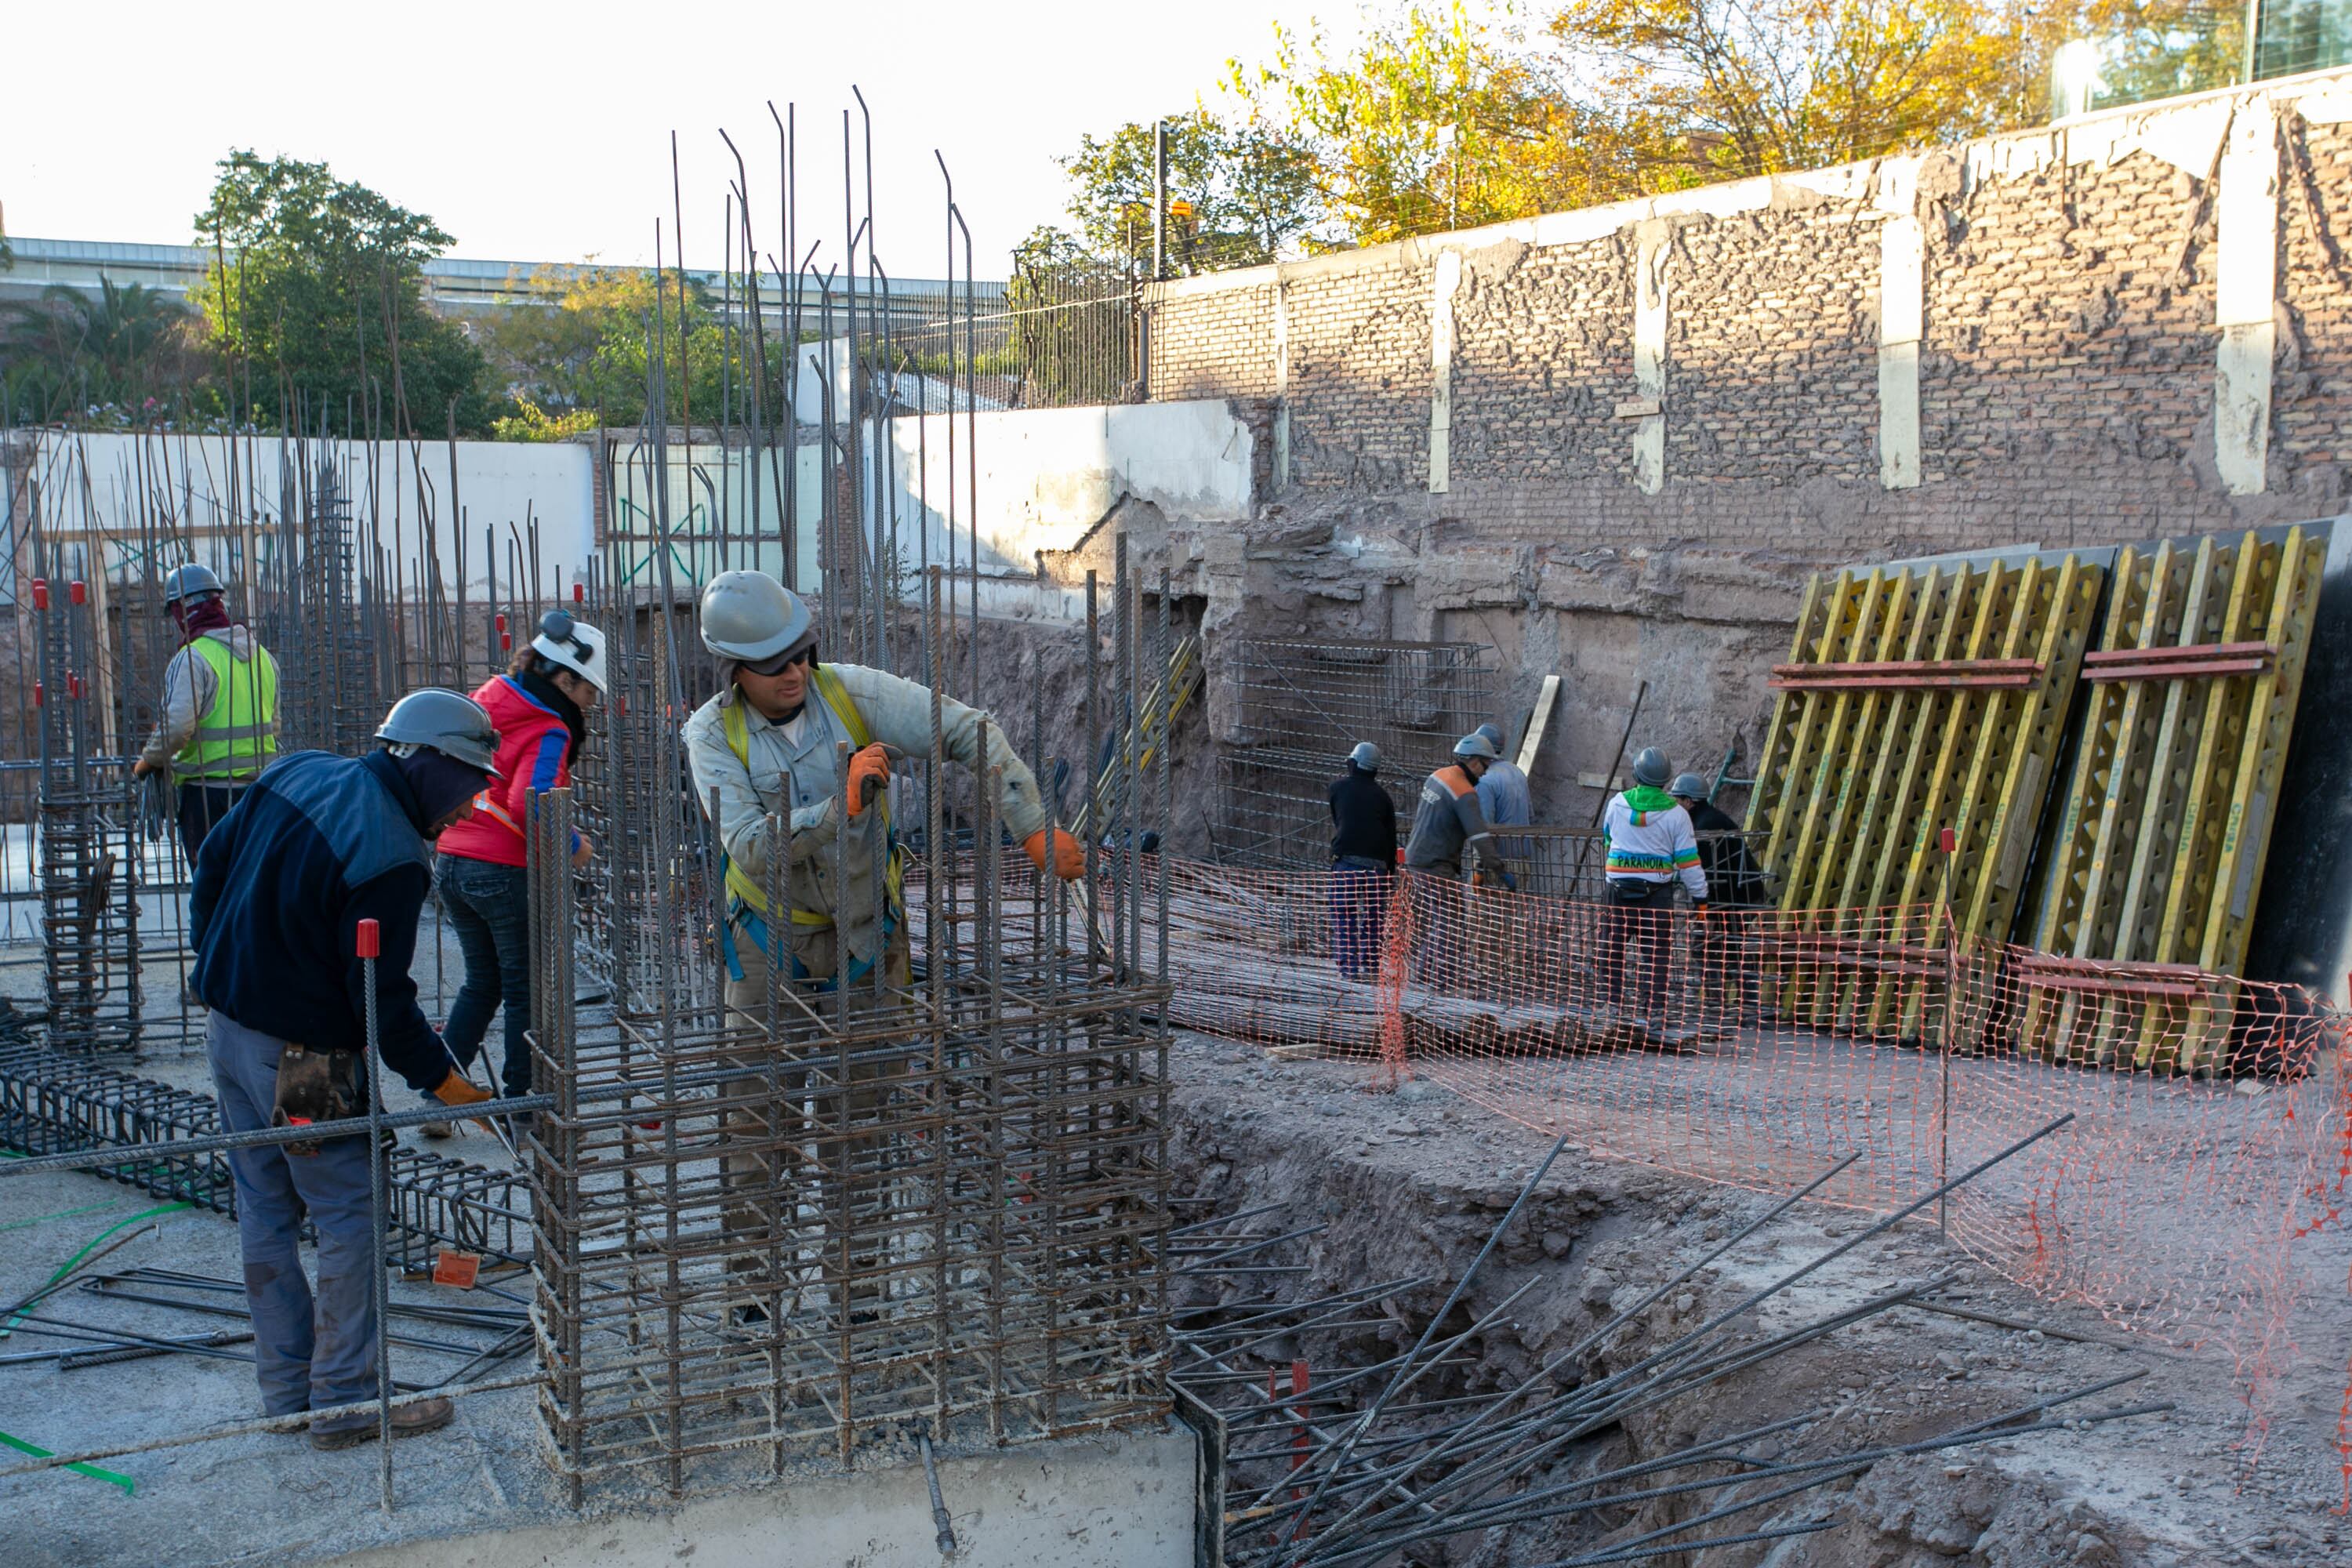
x=1732 y=878
x=1363 y=863
x=314 y=846
x=1736 y=889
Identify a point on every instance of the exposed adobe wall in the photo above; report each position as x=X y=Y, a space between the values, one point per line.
x=1614 y=443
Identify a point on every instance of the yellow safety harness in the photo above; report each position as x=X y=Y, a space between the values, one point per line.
x=753 y=899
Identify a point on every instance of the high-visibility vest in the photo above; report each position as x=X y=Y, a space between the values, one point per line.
x=236 y=735
x=739 y=740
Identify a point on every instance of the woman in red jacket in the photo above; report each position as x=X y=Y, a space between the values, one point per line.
x=538 y=706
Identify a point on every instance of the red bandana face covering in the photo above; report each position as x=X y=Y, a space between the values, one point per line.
x=205 y=615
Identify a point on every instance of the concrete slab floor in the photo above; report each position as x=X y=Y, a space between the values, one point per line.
x=480 y=1491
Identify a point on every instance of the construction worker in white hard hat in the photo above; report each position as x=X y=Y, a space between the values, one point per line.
x=801 y=863
x=219 y=723
x=540 y=706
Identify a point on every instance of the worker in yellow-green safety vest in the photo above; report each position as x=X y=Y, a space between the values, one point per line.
x=219 y=723
x=763 y=753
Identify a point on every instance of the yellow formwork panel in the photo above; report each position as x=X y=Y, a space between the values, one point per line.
x=2157 y=861
x=1859 y=780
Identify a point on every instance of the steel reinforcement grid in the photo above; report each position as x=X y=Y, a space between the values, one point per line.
x=52 y=1103
x=808 y=1222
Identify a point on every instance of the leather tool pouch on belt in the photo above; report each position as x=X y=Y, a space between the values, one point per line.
x=315 y=1086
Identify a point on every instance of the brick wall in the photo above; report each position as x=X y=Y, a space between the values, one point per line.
x=2066 y=383
x=2068 y=357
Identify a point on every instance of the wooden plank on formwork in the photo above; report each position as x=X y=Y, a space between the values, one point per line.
x=1849 y=628
x=1876 y=627
x=1781 y=735
x=1812 y=840
x=2003 y=810
x=1888 y=743
x=2162 y=803
x=2082 y=883
x=2115 y=849
x=2216 y=707
x=1793 y=749
x=1957 y=623
x=2270 y=705
x=1992 y=629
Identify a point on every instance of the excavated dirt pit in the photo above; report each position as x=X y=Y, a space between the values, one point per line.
x=1412 y=1184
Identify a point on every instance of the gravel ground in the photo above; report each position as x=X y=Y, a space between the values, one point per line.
x=1411 y=1183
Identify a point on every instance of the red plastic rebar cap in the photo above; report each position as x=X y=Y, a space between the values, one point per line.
x=370 y=943
x=76 y=592
x=1947 y=840
x=40 y=594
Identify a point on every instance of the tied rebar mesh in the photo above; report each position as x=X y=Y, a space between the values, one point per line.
x=938 y=1201
x=1301 y=706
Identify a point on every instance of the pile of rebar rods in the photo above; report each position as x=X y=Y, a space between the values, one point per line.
x=1324 y=1472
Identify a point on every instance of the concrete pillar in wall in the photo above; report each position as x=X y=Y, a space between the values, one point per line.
x=1653 y=243
x=1902 y=314
x=1448 y=278
x=2245 y=295
x=1281 y=385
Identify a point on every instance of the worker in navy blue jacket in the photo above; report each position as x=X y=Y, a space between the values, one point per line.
x=317 y=844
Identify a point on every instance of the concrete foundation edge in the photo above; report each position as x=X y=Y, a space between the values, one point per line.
x=1090 y=1502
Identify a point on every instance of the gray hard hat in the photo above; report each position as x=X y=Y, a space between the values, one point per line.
x=750 y=616
x=1494 y=733
x=1476 y=744
x=1366 y=756
x=1688 y=786
x=1650 y=767
x=188 y=581
x=449 y=722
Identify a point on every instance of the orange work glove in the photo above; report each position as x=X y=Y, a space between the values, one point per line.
x=869 y=774
x=1069 y=855
x=459 y=1089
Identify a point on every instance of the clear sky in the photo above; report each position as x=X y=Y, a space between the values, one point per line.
x=541 y=131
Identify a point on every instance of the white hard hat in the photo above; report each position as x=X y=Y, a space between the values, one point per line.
x=575 y=645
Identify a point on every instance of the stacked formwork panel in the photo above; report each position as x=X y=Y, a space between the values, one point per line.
x=2156 y=865
x=1918 y=701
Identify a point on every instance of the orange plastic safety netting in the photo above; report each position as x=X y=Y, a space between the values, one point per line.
x=2212 y=1131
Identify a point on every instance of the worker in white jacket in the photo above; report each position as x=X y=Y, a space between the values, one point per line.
x=764 y=755
x=1651 y=847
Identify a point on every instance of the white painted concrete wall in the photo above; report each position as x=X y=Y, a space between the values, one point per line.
x=219 y=498
x=1044 y=477
x=1048 y=475
x=1106 y=1502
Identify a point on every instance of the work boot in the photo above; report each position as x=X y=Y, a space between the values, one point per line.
x=407 y=1421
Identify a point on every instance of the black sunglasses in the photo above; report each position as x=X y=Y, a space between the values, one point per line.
x=805 y=654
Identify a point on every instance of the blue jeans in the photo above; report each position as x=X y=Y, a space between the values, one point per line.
x=1360 y=909
x=309 y=1351
x=489 y=905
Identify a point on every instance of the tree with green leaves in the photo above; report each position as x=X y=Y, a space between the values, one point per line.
x=1240 y=193
x=123 y=355
x=316 y=304
x=1759 y=87
x=1437 y=118
x=574 y=354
